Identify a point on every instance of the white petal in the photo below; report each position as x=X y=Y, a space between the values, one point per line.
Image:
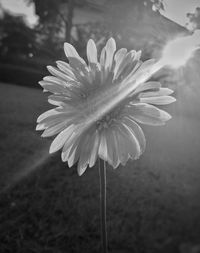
x=137 y=131
x=61 y=138
x=158 y=93
x=56 y=72
x=72 y=144
x=53 y=88
x=122 y=147
x=112 y=139
x=134 y=148
x=103 y=154
x=142 y=68
x=148 y=114
x=55 y=129
x=91 y=51
x=110 y=146
x=84 y=155
x=65 y=67
x=94 y=153
x=118 y=58
x=47 y=114
x=148 y=86
x=163 y=100
x=40 y=127
x=127 y=65
x=70 y=51
x=110 y=50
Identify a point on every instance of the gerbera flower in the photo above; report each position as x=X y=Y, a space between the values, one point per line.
x=99 y=105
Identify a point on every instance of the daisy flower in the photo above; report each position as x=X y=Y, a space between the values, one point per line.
x=100 y=104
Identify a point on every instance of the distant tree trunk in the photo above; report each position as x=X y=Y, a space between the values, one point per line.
x=69 y=20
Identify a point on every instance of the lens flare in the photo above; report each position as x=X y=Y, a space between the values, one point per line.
x=177 y=52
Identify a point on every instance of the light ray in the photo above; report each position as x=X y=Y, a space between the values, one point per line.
x=175 y=54
x=27 y=170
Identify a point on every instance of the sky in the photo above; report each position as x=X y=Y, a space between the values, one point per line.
x=175 y=10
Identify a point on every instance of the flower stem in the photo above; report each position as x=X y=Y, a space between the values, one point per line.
x=102 y=177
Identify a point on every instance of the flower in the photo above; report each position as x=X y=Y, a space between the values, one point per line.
x=99 y=105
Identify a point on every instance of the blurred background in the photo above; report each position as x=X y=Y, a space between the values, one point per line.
x=153 y=203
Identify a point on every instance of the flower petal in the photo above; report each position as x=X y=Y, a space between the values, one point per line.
x=127 y=66
x=113 y=144
x=123 y=153
x=148 y=114
x=91 y=51
x=53 y=88
x=110 y=49
x=61 y=138
x=65 y=67
x=57 y=73
x=47 y=114
x=137 y=131
x=94 y=153
x=70 y=51
x=84 y=155
x=132 y=143
x=118 y=58
x=157 y=93
x=103 y=154
x=148 y=86
x=163 y=100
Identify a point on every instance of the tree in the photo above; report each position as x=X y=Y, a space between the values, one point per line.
x=194 y=19
x=17 y=39
x=52 y=18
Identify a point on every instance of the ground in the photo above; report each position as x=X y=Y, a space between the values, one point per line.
x=153 y=203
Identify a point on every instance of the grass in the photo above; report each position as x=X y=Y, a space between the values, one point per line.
x=153 y=203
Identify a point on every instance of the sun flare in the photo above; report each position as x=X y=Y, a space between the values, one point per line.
x=178 y=51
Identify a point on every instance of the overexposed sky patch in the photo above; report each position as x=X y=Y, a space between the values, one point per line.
x=20 y=7
x=176 y=10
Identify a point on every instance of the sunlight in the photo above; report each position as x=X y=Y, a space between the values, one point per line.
x=178 y=51
x=36 y=163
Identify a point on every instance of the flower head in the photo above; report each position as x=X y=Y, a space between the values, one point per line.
x=99 y=105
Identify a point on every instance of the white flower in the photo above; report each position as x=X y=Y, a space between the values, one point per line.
x=91 y=117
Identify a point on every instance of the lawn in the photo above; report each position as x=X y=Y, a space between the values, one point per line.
x=45 y=207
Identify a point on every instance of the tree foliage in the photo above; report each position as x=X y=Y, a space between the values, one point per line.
x=17 y=39
x=194 y=19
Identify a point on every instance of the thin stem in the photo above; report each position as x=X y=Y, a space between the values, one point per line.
x=102 y=177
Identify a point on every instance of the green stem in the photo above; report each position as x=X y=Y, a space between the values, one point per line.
x=102 y=177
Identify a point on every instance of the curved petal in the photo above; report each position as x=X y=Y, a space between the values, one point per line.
x=123 y=147
x=95 y=148
x=148 y=86
x=57 y=73
x=56 y=119
x=158 y=93
x=91 y=51
x=110 y=49
x=147 y=114
x=137 y=131
x=53 y=88
x=70 y=51
x=47 y=114
x=103 y=153
x=65 y=67
x=84 y=155
x=163 y=100
x=110 y=145
x=118 y=58
x=55 y=129
x=127 y=62
x=132 y=143
x=61 y=138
